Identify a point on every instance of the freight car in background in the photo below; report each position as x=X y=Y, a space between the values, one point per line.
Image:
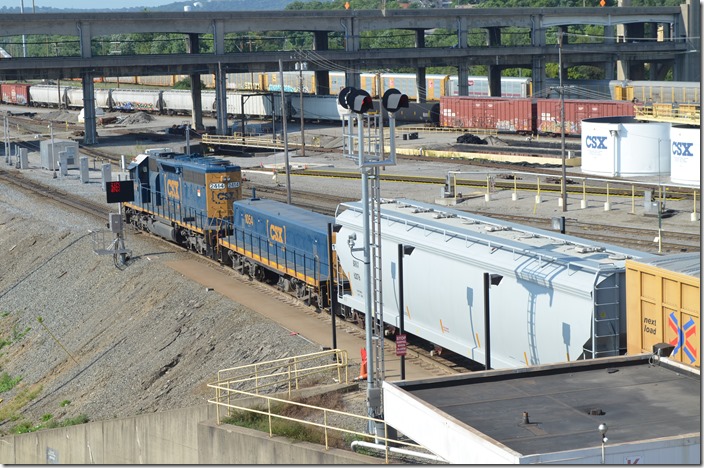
x=525 y=116
x=657 y=92
x=438 y=85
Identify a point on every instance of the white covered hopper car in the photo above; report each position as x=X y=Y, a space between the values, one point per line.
x=561 y=298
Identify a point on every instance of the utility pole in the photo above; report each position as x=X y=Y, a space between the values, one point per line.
x=563 y=184
x=300 y=89
x=285 y=131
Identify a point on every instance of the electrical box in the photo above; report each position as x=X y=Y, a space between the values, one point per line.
x=115 y=223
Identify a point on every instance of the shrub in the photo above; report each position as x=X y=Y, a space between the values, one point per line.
x=7 y=383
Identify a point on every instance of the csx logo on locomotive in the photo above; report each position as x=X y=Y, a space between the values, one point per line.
x=276 y=233
x=595 y=142
x=172 y=189
x=680 y=148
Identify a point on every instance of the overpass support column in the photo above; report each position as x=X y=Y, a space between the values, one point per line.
x=462 y=69
x=197 y=108
x=322 y=77
x=351 y=45
x=422 y=94
x=462 y=77
x=91 y=135
x=537 y=38
x=609 y=68
x=84 y=37
x=494 y=40
x=688 y=65
x=219 y=37
x=221 y=101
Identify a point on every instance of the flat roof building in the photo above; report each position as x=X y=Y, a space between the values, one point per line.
x=551 y=414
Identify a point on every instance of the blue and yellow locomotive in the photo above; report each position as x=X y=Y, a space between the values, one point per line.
x=186 y=199
x=281 y=244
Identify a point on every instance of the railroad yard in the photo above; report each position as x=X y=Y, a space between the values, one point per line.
x=116 y=342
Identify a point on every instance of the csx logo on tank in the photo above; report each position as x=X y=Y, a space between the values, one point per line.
x=277 y=233
x=172 y=189
x=681 y=148
x=596 y=142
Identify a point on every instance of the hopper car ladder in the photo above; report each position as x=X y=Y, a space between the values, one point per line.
x=605 y=339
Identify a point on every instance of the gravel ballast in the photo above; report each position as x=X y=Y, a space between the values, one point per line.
x=111 y=342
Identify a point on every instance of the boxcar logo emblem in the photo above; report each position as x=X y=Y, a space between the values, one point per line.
x=276 y=233
x=681 y=149
x=172 y=189
x=595 y=142
x=682 y=336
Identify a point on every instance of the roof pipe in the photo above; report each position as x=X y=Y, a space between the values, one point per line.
x=383 y=448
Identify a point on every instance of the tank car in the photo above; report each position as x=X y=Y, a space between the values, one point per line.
x=183 y=198
x=560 y=298
x=280 y=244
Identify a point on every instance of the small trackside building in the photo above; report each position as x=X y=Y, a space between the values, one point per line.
x=650 y=408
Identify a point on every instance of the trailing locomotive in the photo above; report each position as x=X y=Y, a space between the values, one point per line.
x=280 y=244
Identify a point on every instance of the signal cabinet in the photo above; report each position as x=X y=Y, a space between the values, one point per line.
x=663 y=306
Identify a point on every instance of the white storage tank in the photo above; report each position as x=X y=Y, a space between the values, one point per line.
x=685 y=154
x=625 y=147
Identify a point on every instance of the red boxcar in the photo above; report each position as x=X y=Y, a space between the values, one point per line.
x=501 y=114
x=15 y=93
x=548 y=113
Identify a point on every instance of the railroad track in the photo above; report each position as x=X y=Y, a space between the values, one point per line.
x=76 y=202
x=628 y=237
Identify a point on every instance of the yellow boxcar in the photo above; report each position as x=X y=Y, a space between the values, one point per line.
x=663 y=304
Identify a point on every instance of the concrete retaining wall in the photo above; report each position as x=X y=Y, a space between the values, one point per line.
x=158 y=438
x=184 y=436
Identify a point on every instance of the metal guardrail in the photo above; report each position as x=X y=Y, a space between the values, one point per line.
x=256 y=141
x=289 y=372
x=685 y=113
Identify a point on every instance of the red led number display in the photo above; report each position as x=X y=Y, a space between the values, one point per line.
x=120 y=191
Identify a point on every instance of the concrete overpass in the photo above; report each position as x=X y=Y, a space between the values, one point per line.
x=623 y=43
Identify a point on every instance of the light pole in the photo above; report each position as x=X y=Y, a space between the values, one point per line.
x=563 y=184
x=489 y=278
x=602 y=430
x=24 y=37
x=659 y=203
x=285 y=131
x=301 y=66
x=402 y=251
